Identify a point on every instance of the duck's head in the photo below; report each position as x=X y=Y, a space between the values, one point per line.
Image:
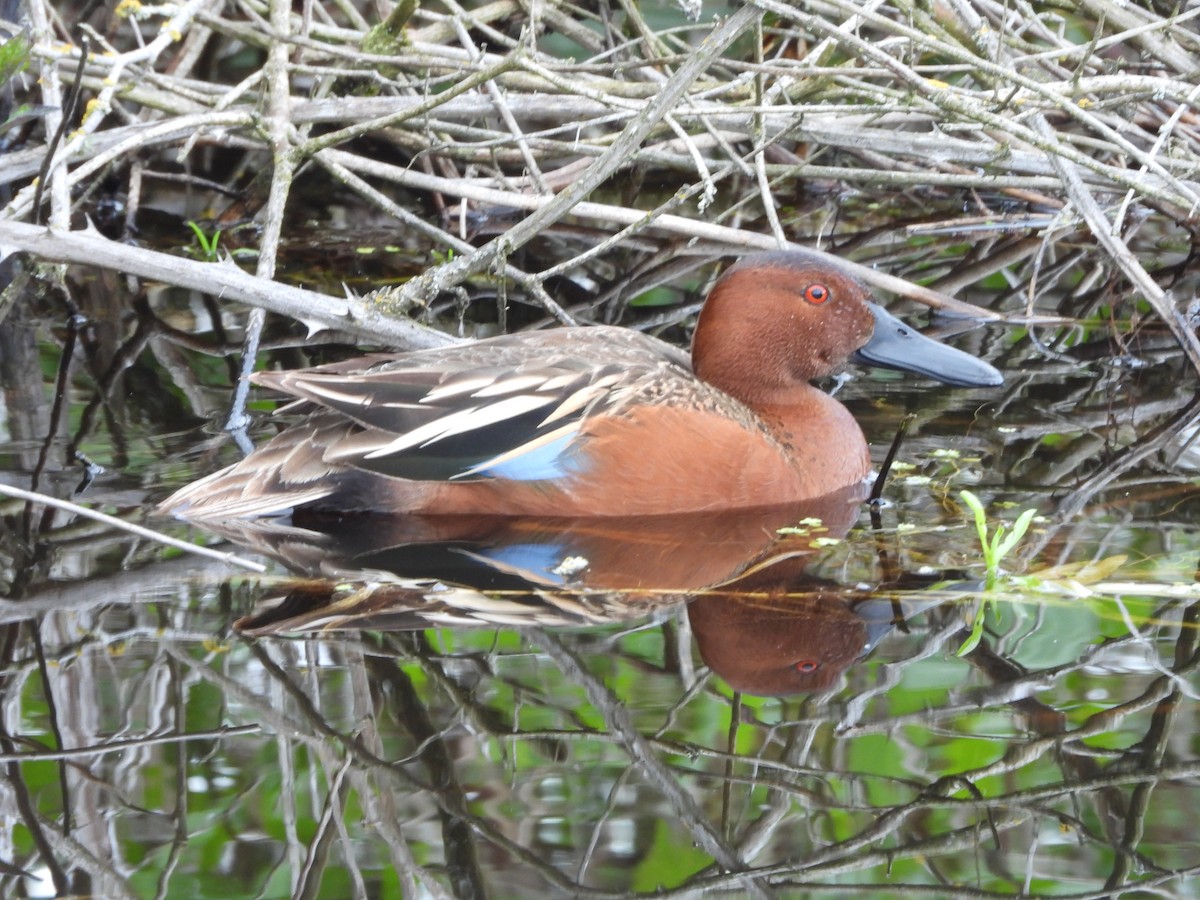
x=775 y=321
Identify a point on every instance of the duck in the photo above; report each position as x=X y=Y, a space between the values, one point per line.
x=593 y=421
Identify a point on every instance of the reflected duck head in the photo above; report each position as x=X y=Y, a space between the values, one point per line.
x=765 y=644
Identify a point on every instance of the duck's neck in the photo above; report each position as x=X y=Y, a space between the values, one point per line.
x=769 y=380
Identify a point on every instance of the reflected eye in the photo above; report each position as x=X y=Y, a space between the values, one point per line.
x=816 y=294
x=805 y=666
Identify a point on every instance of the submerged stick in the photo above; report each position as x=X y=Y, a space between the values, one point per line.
x=137 y=530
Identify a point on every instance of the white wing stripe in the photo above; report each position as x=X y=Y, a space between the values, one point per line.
x=577 y=401
x=321 y=390
x=511 y=385
x=458 y=386
x=460 y=422
x=558 y=382
x=494 y=413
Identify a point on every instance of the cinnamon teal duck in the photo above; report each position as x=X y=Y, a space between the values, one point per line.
x=593 y=421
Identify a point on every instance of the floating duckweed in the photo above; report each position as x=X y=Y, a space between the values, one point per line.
x=804 y=526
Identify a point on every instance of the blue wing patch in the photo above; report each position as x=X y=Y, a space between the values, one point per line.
x=553 y=459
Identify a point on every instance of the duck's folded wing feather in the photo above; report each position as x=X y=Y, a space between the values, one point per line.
x=506 y=408
x=436 y=424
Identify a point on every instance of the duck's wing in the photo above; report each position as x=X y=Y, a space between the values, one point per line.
x=506 y=408
x=452 y=422
x=286 y=472
x=510 y=407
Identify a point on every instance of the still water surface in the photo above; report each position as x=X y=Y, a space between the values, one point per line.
x=484 y=716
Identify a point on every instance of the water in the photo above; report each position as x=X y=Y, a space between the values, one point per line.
x=475 y=723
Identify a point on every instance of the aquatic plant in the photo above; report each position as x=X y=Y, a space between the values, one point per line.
x=995 y=546
x=208 y=242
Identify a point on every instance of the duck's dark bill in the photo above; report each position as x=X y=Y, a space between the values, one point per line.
x=895 y=345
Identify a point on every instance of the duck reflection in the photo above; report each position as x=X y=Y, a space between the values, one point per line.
x=761 y=622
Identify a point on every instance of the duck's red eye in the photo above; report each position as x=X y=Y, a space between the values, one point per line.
x=816 y=294
x=805 y=666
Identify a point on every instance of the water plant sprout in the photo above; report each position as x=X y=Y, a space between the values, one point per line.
x=995 y=548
